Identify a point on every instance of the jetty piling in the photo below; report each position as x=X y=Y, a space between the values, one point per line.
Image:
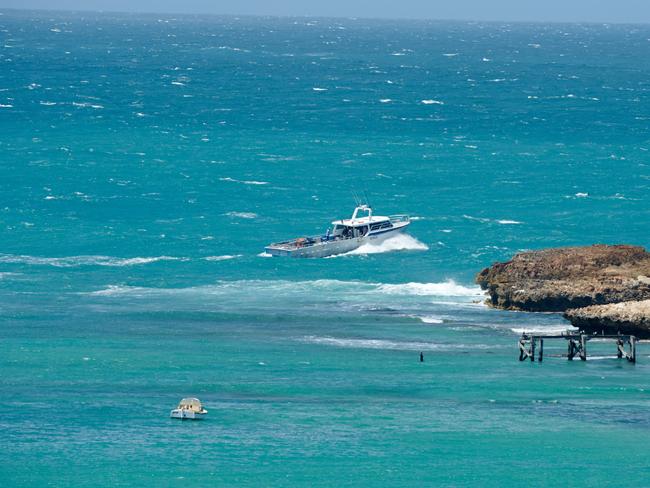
x=576 y=345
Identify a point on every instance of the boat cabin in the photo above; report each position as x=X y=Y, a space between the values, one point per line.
x=359 y=225
x=192 y=404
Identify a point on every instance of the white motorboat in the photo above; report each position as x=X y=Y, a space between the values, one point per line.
x=189 y=408
x=345 y=235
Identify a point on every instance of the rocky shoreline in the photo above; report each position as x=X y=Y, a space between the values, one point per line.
x=625 y=317
x=600 y=287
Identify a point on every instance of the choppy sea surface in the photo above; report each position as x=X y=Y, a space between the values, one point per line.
x=146 y=160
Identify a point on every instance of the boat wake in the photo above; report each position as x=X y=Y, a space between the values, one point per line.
x=399 y=242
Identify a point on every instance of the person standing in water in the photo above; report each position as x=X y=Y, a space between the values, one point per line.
x=421 y=357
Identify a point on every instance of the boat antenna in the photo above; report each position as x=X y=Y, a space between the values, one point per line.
x=366 y=199
x=356 y=198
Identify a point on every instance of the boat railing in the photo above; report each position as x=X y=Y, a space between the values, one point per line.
x=308 y=241
x=395 y=219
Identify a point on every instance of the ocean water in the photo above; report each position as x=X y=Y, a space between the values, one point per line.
x=146 y=160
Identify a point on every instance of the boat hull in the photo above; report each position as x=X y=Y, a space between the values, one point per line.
x=334 y=247
x=184 y=414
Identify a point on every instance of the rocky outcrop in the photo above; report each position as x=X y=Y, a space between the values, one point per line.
x=555 y=280
x=626 y=318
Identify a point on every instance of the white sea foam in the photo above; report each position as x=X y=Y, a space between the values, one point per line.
x=508 y=222
x=543 y=329
x=385 y=100
x=6 y=105
x=74 y=261
x=224 y=257
x=399 y=242
x=318 y=89
x=431 y=102
x=387 y=344
x=242 y=215
x=581 y=195
x=265 y=255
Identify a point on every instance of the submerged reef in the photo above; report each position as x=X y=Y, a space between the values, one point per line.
x=572 y=278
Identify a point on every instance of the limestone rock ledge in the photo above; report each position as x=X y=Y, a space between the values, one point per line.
x=558 y=279
x=626 y=318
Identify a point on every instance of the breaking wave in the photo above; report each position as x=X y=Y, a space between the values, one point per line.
x=313 y=289
x=430 y=319
x=389 y=345
x=445 y=289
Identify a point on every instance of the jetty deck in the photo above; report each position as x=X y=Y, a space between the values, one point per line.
x=533 y=344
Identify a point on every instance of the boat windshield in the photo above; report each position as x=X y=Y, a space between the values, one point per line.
x=348 y=231
x=190 y=404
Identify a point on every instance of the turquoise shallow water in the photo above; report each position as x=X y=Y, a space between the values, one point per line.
x=147 y=160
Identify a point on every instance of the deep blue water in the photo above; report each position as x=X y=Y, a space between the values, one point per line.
x=146 y=162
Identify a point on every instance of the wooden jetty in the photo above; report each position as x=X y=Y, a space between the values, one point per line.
x=576 y=345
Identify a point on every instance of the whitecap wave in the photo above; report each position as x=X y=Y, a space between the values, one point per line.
x=245 y=182
x=476 y=219
x=430 y=319
x=431 y=102
x=224 y=257
x=399 y=242
x=242 y=215
x=509 y=222
x=75 y=261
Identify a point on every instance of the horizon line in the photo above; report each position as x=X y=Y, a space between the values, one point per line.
x=316 y=17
